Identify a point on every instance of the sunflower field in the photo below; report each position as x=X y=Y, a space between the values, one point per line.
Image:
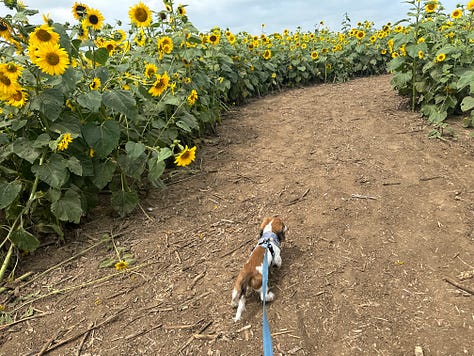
x=88 y=108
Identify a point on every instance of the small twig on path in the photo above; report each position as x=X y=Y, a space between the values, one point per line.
x=196 y=279
x=48 y=343
x=6 y=326
x=359 y=196
x=457 y=285
x=192 y=337
x=237 y=248
x=145 y=331
x=89 y=329
x=282 y=332
x=426 y=179
x=296 y=200
x=86 y=335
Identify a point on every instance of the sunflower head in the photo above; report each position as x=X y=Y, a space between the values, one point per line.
x=43 y=34
x=95 y=84
x=440 y=57
x=18 y=98
x=140 y=15
x=79 y=10
x=94 y=19
x=185 y=157
x=52 y=59
x=181 y=10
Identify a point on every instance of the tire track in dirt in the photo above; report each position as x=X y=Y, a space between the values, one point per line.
x=378 y=215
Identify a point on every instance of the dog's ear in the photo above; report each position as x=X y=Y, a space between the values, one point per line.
x=279 y=228
x=263 y=224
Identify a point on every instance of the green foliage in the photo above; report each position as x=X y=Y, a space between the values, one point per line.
x=433 y=61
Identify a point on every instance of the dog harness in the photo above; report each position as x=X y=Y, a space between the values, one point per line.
x=269 y=236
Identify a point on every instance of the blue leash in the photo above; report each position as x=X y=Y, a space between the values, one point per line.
x=267 y=338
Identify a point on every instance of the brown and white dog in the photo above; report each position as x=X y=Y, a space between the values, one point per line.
x=271 y=230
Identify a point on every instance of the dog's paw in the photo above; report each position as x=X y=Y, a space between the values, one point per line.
x=234 y=304
x=236 y=319
x=277 y=261
x=270 y=297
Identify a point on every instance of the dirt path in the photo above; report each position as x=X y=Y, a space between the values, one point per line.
x=378 y=216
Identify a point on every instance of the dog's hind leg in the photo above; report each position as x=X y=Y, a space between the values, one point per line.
x=240 y=308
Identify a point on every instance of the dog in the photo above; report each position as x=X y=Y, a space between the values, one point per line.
x=272 y=230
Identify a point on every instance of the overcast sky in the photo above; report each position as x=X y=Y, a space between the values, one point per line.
x=247 y=15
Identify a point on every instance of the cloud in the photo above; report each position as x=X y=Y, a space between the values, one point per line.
x=247 y=15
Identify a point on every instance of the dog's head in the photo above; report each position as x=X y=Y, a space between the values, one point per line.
x=274 y=224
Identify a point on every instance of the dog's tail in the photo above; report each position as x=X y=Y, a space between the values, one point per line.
x=240 y=288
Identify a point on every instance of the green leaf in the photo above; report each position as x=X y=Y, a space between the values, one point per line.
x=124 y=202
x=54 y=171
x=99 y=55
x=132 y=168
x=134 y=149
x=104 y=172
x=164 y=153
x=50 y=102
x=107 y=262
x=467 y=103
x=24 y=148
x=102 y=138
x=8 y=193
x=156 y=167
x=42 y=141
x=91 y=100
x=68 y=207
x=187 y=122
x=466 y=79
x=121 y=101
x=24 y=240
x=74 y=166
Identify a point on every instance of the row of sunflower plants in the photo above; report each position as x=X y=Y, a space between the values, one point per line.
x=89 y=107
x=432 y=61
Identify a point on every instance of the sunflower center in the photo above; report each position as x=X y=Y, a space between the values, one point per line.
x=141 y=15
x=5 y=80
x=3 y=27
x=52 y=59
x=93 y=19
x=43 y=35
x=17 y=96
x=185 y=155
x=80 y=10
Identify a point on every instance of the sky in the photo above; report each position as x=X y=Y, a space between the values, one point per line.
x=246 y=15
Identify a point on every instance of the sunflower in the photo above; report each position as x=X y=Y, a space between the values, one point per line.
x=119 y=35
x=421 y=54
x=231 y=38
x=140 y=15
x=360 y=34
x=5 y=30
x=214 y=39
x=43 y=34
x=267 y=54
x=160 y=84
x=94 y=19
x=470 y=6
x=52 y=59
x=185 y=157
x=11 y=70
x=314 y=55
x=95 y=84
x=110 y=46
x=63 y=144
x=83 y=33
x=150 y=70
x=192 y=97
x=431 y=7
x=181 y=10
x=79 y=10
x=121 y=265
x=8 y=86
x=18 y=99
x=165 y=45
x=440 y=57
x=456 y=14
